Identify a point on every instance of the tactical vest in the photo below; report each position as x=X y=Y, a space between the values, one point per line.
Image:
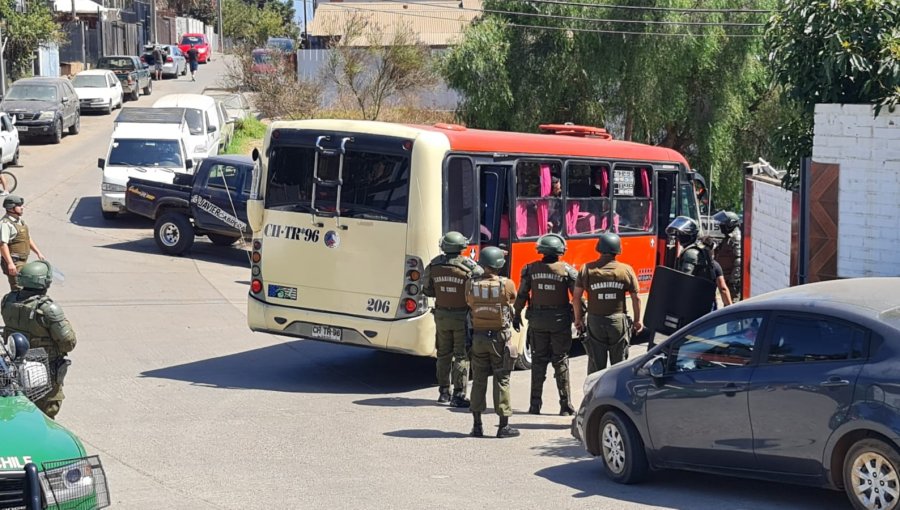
x=703 y=268
x=490 y=306
x=449 y=282
x=549 y=285
x=727 y=256
x=20 y=244
x=22 y=316
x=606 y=284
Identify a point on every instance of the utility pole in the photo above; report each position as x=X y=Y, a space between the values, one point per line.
x=153 y=21
x=305 y=31
x=220 y=24
x=2 y=63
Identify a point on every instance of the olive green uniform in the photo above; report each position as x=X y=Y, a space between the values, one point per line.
x=606 y=282
x=489 y=340
x=546 y=287
x=445 y=280
x=729 y=257
x=40 y=319
x=19 y=244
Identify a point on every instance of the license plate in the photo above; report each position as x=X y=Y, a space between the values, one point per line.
x=22 y=128
x=326 y=333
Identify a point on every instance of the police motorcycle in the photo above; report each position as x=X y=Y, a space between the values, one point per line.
x=42 y=464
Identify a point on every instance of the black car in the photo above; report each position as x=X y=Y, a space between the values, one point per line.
x=43 y=107
x=800 y=385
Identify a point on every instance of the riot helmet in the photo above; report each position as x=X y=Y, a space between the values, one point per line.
x=609 y=243
x=727 y=220
x=12 y=201
x=36 y=275
x=685 y=229
x=453 y=243
x=492 y=257
x=551 y=244
x=18 y=345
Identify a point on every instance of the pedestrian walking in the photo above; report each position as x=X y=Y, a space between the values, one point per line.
x=193 y=58
x=32 y=312
x=546 y=287
x=158 y=60
x=16 y=243
x=490 y=298
x=608 y=326
x=445 y=280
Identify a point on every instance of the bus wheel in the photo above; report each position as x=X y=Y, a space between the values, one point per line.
x=173 y=233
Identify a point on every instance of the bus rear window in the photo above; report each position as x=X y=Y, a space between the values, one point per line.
x=375 y=186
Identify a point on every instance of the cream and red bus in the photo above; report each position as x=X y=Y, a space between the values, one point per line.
x=346 y=214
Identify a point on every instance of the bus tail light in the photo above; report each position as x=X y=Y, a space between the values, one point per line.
x=256 y=286
x=410 y=305
x=413 y=301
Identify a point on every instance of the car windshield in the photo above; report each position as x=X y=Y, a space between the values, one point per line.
x=194 y=119
x=281 y=44
x=27 y=92
x=191 y=39
x=116 y=63
x=262 y=57
x=90 y=81
x=146 y=153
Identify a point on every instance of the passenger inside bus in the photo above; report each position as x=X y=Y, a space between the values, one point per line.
x=587 y=209
x=538 y=199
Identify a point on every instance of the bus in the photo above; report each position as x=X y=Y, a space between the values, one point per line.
x=347 y=214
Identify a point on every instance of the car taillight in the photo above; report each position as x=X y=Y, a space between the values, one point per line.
x=168 y=59
x=143 y=59
x=256 y=286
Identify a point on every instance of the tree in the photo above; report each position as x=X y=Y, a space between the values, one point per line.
x=372 y=67
x=247 y=23
x=657 y=79
x=26 y=32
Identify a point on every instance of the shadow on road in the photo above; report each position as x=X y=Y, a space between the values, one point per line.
x=426 y=434
x=86 y=213
x=202 y=250
x=306 y=366
x=691 y=491
x=397 y=402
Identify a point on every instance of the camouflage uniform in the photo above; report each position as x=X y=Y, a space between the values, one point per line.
x=34 y=314
x=606 y=281
x=445 y=280
x=19 y=247
x=729 y=257
x=546 y=286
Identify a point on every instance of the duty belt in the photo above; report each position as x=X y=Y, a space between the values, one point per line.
x=549 y=307
x=490 y=333
x=452 y=309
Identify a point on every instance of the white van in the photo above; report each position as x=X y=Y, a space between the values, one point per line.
x=204 y=119
x=152 y=148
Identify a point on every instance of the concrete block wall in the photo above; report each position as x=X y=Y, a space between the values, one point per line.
x=867 y=148
x=770 y=243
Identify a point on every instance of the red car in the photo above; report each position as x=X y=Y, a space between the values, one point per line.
x=201 y=44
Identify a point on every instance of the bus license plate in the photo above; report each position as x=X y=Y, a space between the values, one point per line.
x=326 y=333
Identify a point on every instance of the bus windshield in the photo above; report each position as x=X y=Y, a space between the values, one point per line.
x=375 y=186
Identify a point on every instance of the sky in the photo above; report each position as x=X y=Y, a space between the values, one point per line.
x=298 y=9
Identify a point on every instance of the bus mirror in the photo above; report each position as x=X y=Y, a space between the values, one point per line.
x=255 y=214
x=255 y=154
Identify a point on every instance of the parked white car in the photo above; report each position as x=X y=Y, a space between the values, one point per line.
x=9 y=141
x=98 y=89
x=204 y=119
x=236 y=104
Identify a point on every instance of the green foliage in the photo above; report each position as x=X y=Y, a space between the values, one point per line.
x=26 y=32
x=203 y=10
x=246 y=133
x=253 y=25
x=699 y=95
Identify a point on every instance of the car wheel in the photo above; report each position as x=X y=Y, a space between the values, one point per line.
x=15 y=159
x=76 y=126
x=622 y=450
x=523 y=362
x=184 y=70
x=173 y=233
x=871 y=476
x=135 y=94
x=149 y=88
x=222 y=240
x=57 y=135
x=109 y=215
x=110 y=107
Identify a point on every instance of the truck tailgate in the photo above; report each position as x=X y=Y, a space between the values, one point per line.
x=143 y=197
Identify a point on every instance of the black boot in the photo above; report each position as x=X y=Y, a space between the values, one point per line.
x=459 y=400
x=505 y=430
x=565 y=408
x=477 y=429
x=535 y=407
x=444 y=395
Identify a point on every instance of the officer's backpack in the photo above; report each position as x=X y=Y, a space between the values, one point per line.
x=490 y=305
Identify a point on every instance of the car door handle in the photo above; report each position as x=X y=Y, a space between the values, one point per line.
x=834 y=382
x=730 y=389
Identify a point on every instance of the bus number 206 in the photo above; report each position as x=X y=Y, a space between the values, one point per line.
x=378 y=305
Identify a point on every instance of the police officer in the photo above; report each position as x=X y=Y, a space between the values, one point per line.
x=546 y=286
x=490 y=298
x=16 y=243
x=696 y=257
x=729 y=253
x=31 y=311
x=606 y=281
x=445 y=281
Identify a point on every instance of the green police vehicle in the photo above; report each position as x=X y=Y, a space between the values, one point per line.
x=43 y=465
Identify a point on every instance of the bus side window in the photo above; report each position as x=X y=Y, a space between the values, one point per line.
x=633 y=195
x=587 y=202
x=538 y=198
x=460 y=203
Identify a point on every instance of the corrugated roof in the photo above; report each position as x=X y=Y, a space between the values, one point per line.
x=434 y=23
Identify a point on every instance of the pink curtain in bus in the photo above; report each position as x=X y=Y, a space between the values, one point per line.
x=524 y=228
x=645 y=181
x=574 y=215
x=543 y=213
x=603 y=181
x=604 y=222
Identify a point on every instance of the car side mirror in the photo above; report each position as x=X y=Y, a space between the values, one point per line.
x=655 y=367
x=229 y=121
x=189 y=163
x=211 y=129
x=101 y=163
x=65 y=100
x=12 y=119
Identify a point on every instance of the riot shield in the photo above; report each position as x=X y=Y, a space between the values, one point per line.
x=676 y=299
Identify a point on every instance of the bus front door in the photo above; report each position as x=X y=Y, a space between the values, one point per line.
x=667 y=209
x=494 y=223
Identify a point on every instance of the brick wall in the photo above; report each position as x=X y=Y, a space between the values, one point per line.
x=867 y=148
x=770 y=252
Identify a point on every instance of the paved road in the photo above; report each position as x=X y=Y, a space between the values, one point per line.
x=190 y=410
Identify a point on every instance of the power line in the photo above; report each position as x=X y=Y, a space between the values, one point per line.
x=640 y=8
x=594 y=20
x=544 y=27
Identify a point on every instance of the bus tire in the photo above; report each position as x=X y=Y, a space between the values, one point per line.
x=173 y=233
x=523 y=362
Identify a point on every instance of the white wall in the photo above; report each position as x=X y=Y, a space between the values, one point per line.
x=770 y=242
x=867 y=148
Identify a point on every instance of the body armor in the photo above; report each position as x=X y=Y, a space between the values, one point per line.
x=20 y=245
x=606 y=282
x=41 y=320
x=490 y=300
x=696 y=260
x=445 y=281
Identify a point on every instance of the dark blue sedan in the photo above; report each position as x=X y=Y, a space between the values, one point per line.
x=800 y=385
